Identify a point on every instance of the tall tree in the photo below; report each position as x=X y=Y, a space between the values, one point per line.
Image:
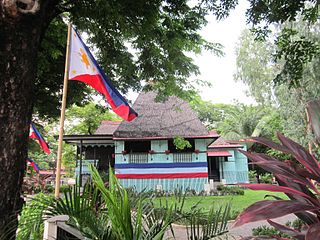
x=32 y=57
x=243 y=121
x=210 y=114
x=288 y=100
x=255 y=67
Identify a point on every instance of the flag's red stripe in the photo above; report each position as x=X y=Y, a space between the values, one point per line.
x=44 y=146
x=36 y=135
x=96 y=82
x=163 y=175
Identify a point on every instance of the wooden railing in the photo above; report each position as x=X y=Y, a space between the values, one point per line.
x=138 y=157
x=182 y=157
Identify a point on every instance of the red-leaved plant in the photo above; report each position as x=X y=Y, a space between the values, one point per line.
x=297 y=179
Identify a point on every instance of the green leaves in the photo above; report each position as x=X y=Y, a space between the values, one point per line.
x=146 y=41
x=205 y=226
x=102 y=211
x=180 y=143
x=296 y=52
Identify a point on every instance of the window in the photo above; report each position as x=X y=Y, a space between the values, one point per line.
x=137 y=146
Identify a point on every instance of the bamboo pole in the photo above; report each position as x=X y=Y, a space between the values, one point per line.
x=62 y=116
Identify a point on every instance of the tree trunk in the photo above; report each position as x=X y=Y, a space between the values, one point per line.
x=19 y=43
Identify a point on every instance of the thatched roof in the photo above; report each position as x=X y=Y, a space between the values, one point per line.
x=222 y=143
x=108 y=127
x=157 y=120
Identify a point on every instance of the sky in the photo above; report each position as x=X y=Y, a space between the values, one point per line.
x=219 y=71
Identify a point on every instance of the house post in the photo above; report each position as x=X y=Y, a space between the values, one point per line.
x=80 y=167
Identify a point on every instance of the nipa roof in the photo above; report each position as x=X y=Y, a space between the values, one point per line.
x=222 y=143
x=108 y=127
x=167 y=119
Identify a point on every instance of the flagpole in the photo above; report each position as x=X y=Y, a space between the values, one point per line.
x=62 y=116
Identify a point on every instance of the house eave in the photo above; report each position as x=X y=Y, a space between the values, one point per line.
x=97 y=139
x=159 y=138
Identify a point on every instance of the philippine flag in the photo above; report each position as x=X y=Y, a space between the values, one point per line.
x=35 y=134
x=84 y=68
x=33 y=164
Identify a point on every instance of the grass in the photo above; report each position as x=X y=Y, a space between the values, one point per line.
x=238 y=202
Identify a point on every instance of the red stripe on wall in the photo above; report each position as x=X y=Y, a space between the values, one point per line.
x=160 y=175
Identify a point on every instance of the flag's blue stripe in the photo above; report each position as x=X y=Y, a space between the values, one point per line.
x=161 y=165
x=37 y=132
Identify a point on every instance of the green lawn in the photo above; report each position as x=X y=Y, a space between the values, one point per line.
x=238 y=202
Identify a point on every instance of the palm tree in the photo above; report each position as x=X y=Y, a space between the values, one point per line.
x=244 y=121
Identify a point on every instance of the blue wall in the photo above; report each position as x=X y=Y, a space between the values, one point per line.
x=160 y=146
x=235 y=170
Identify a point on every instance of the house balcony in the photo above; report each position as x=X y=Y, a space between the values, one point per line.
x=182 y=157
x=149 y=157
x=83 y=165
x=138 y=157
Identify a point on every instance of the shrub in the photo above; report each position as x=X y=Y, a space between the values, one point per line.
x=48 y=188
x=191 y=192
x=101 y=212
x=271 y=231
x=266 y=178
x=297 y=178
x=252 y=176
x=267 y=231
x=296 y=224
x=230 y=190
x=202 y=193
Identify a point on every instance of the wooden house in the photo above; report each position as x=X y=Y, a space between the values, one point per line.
x=144 y=156
x=225 y=163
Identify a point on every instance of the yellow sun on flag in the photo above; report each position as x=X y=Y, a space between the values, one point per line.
x=84 y=58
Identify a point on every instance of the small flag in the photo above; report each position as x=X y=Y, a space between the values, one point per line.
x=33 y=164
x=35 y=134
x=84 y=68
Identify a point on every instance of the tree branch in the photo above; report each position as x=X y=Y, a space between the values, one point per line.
x=32 y=6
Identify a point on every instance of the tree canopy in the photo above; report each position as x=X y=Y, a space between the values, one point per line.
x=256 y=67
